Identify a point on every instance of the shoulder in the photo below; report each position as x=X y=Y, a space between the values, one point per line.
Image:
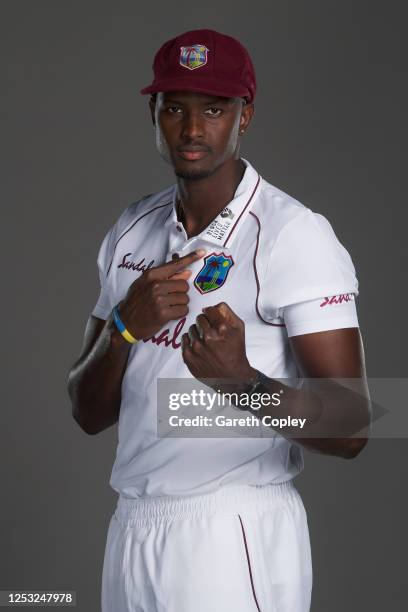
x=289 y=220
x=303 y=258
x=276 y=209
x=159 y=201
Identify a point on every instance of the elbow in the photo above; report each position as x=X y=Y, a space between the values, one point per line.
x=76 y=412
x=352 y=447
x=91 y=414
x=91 y=419
x=83 y=423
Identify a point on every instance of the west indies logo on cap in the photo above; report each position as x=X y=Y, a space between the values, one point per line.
x=193 y=57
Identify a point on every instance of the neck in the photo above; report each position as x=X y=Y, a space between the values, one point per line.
x=201 y=201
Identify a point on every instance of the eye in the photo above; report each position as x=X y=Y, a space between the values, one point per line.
x=173 y=109
x=213 y=111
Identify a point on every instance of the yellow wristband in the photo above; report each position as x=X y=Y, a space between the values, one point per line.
x=119 y=324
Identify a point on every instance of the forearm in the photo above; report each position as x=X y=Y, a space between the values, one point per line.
x=330 y=413
x=94 y=382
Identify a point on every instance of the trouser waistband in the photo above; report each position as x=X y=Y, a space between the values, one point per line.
x=224 y=500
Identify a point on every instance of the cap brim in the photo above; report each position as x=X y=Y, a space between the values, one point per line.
x=206 y=86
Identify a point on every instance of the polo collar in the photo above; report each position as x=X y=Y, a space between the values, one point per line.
x=223 y=229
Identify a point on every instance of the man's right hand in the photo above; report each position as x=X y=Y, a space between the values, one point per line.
x=158 y=296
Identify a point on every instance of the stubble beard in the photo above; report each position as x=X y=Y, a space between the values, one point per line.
x=193 y=175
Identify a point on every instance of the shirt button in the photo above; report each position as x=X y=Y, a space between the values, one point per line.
x=175 y=256
x=179 y=229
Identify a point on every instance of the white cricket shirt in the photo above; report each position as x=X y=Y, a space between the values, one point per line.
x=280 y=267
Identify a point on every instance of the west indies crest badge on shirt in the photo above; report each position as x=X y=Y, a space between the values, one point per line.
x=214 y=272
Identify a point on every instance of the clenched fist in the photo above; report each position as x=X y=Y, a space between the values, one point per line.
x=214 y=346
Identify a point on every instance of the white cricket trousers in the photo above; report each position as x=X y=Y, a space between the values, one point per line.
x=241 y=549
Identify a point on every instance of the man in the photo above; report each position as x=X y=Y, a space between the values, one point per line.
x=219 y=277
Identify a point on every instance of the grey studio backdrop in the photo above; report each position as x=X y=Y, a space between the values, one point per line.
x=78 y=147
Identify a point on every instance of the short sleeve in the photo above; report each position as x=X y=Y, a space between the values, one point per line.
x=103 y=306
x=307 y=262
x=323 y=314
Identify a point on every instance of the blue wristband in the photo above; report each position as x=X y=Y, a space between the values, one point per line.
x=121 y=327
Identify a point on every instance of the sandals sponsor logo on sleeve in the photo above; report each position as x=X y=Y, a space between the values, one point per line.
x=337 y=299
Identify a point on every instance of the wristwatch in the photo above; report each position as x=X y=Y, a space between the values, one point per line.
x=251 y=387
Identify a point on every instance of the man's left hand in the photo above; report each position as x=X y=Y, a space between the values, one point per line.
x=214 y=346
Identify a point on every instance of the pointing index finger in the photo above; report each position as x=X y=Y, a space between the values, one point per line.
x=172 y=267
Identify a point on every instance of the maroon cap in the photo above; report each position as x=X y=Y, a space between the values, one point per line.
x=204 y=61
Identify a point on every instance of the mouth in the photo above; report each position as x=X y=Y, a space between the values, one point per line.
x=192 y=155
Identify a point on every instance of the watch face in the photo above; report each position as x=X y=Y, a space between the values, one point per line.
x=250 y=387
x=256 y=381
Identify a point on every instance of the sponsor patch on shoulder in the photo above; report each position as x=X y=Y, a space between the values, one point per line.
x=337 y=299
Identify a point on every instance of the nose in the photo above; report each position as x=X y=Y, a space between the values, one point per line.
x=193 y=127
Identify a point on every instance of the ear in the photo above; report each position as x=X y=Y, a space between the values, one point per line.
x=247 y=113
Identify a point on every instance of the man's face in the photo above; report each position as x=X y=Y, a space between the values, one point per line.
x=197 y=133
